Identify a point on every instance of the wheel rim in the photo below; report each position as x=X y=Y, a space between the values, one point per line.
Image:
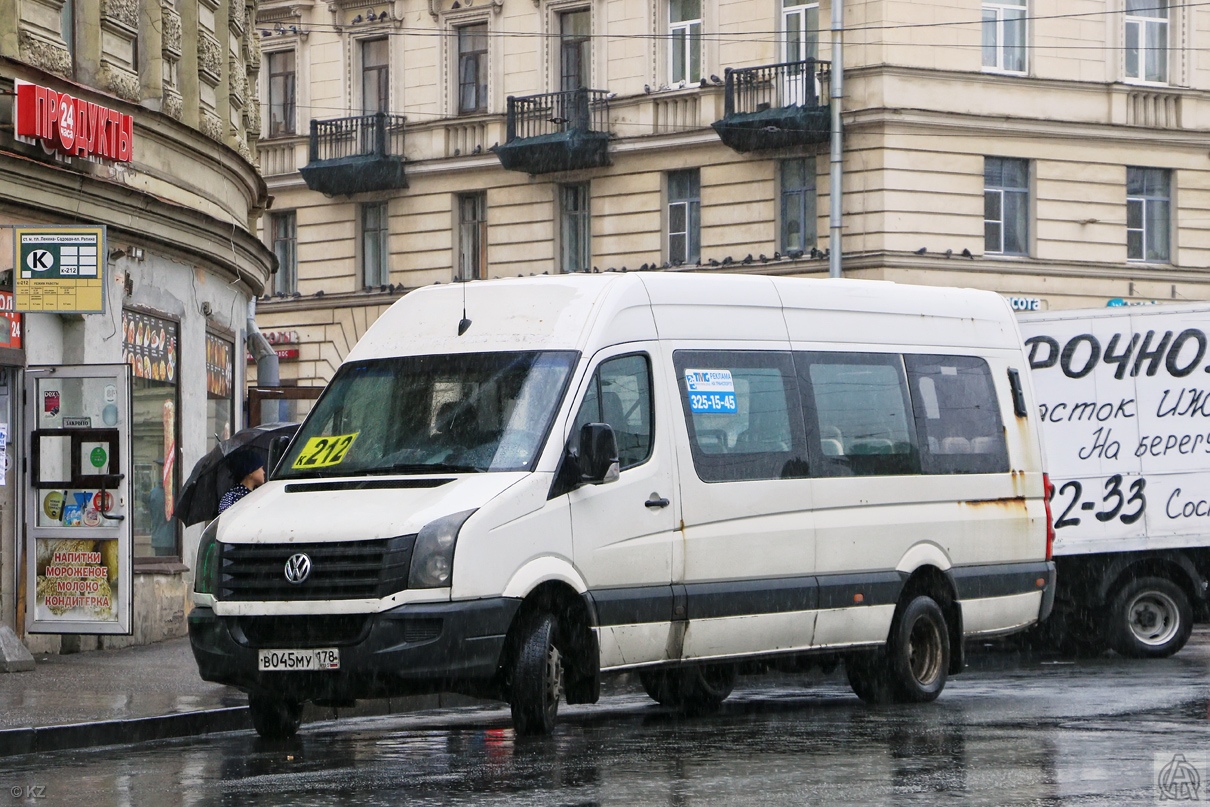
x=553 y=680
x=924 y=651
x=1153 y=618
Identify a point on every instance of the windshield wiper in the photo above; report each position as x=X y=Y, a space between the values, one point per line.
x=429 y=467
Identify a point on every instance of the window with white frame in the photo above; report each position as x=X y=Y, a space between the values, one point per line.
x=1148 y=214
x=797 y=226
x=374 y=231
x=375 y=76
x=1147 y=40
x=1004 y=36
x=1005 y=206
x=472 y=236
x=684 y=216
x=281 y=93
x=800 y=31
x=575 y=42
x=283 y=227
x=472 y=68
x=685 y=40
x=575 y=233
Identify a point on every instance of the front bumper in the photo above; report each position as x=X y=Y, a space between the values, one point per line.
x=413 y=649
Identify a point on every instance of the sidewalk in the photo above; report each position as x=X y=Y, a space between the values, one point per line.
x=137 y=694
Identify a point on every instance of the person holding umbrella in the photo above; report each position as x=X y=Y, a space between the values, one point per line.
x=248 y=467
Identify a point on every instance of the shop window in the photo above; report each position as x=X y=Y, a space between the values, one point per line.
x=220 y=400
x=149 y=346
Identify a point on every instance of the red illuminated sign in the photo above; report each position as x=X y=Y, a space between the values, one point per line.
x=73 y=126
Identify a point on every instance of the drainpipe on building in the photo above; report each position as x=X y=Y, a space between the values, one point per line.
x=267 y=374
x=837 y=91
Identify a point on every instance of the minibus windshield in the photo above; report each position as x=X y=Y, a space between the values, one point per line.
x=455 y=413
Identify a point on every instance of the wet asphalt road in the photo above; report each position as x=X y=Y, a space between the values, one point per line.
x=1015 y=729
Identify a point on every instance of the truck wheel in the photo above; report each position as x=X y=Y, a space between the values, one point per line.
x=275 y=718
x=537 y=678
x=918 y=652
x=1149 y=618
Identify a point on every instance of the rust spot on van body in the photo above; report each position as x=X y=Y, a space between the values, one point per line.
x=1008 y=503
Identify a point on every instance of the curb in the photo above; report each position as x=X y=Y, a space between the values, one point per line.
x=41 y=739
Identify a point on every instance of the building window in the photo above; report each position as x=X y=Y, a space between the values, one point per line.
x=575 y=228
x=797 y=205
x=685 y=37
x=1004 y=36
x=1147 y=40
x=284 y=229
x=375 y=76
x=472 y=236
x=684 y=216
x=149 y=346
x=800 y=22
x=1148 y=216
x=220 y=399
x=374 y=270
x=1005 y=206
x=575 y=30
x=281 y=93
x=67 y=29
x=472 y=68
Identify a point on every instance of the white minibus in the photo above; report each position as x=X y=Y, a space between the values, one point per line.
x=512 y=487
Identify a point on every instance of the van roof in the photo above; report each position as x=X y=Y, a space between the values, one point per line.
x=586 y=311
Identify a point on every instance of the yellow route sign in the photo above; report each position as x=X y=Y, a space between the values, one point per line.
x=322 y=452
x=60 y=270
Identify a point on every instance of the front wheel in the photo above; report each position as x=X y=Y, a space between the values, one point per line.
x=275 y=718
x=537 y=678
x=1149 y=618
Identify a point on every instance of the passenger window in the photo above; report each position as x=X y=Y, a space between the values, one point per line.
x=858 y=413
x=957 y=415
x=743 y=415
x=620 y=394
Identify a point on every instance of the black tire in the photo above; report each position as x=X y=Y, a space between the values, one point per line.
x=918 y=652
x=696 y=689
x=869 y=676
x=1149 y=617
x=537 y=678
x=275 y=718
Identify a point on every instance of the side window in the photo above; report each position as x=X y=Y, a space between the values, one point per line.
x=743 y=415
x=620 y=395
x=957 y=416
x=858 y=413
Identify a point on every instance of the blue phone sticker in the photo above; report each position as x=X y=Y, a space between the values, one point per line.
x=710 y=391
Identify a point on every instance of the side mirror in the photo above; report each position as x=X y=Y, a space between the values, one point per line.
x=277 y=448
x=598 y=454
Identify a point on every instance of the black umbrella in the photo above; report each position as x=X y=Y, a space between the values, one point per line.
x=212 y=476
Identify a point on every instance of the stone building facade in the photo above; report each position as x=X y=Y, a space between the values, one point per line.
x=179 y=202
x=1052 y=152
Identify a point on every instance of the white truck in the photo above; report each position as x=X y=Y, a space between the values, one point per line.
x=1124 y=399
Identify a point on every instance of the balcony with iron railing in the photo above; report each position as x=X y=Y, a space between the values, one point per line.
x=776 y=106
x=356 y=155
x=556 y=131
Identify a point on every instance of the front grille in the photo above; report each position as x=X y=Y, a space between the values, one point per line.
x=318 y=630
x=348 y=570
x=421 y=630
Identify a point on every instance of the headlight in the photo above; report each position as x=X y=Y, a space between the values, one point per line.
x=433 y=556
x=205 y=572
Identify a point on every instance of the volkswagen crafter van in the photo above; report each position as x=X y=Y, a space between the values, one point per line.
x=512 y=487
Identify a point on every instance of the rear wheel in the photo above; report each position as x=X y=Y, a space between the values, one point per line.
x=1149 y=618
x=700 y=688
x=275 y=718
x=915 y=663
x=537 y=678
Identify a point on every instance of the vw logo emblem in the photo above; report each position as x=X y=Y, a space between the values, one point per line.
x=298 y=568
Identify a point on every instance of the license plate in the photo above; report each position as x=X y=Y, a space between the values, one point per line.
x=327 y=658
